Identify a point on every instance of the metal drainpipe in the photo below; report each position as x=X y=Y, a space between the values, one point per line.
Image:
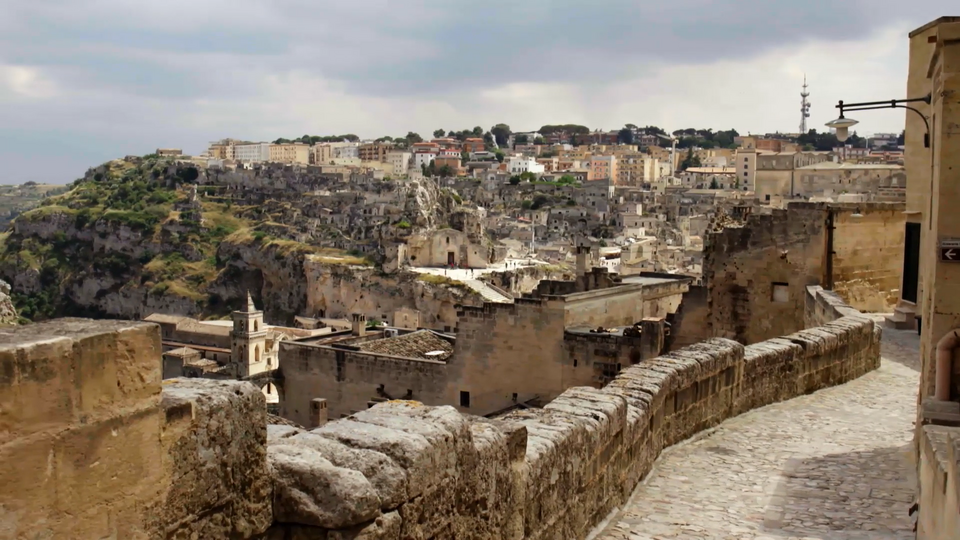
x=829 y=270
x=945 y=348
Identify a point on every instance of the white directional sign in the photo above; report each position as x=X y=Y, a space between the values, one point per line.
x=950 y=249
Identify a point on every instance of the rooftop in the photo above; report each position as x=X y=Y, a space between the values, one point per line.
x=422 y=344
x=829 y=165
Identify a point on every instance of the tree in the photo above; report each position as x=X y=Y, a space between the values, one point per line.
x=713 y=184
x=439 y=133
x=501 y=132
x=625 y=136
x=445 y=171
x=521 y=139
x=514 y=180
x=500 y=155
x=567 y=179
x=385 y=138
x=900 y=139
x=413 y=137
x=689 y=161
x=477 y=131
x=527 y=176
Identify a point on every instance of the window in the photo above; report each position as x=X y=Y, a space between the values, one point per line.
x=514 y=397
x=465 y=399
x=780 y=292
x=448 y=239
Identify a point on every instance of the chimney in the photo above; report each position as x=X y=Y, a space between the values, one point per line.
x=582 y=252
x=318 y=412
x=359 y=326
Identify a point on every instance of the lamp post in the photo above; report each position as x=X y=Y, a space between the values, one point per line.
x=843 y=124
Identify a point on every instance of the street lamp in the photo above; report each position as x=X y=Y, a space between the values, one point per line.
x=843 y=124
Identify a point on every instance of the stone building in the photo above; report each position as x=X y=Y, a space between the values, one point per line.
x=236 y=349
x=499 y=356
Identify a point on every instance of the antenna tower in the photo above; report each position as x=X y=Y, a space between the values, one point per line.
x=804 y=107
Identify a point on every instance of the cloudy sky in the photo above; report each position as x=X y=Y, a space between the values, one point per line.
x=84 y=81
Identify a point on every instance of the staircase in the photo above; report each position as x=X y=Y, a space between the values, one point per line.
x=904 y=317
x=486 y=291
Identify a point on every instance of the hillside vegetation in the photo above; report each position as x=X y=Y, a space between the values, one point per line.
x=127 y=240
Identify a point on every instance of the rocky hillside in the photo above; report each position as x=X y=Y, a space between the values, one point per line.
x=147 y=235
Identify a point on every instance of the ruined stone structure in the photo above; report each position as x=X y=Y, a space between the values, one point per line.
x=118 y=455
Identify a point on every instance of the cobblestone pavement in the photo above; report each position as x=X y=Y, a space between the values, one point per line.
x=833 y=465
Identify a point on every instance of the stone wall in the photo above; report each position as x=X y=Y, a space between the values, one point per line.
x=91 y=448
x=757 y=274
x=404 y=470
x=939 y=472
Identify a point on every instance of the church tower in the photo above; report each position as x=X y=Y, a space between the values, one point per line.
x=248 y=340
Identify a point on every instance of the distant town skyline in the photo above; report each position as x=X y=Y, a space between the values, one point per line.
x=82 y=82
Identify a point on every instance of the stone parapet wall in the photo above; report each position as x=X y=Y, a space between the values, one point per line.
x=556 y=472
x=92 y=444
x=939 y=472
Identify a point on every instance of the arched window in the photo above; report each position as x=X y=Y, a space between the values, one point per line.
x=256 y=326
x=256 y=354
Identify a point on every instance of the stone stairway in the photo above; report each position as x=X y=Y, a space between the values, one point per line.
x=486 y=292
x=904 y=317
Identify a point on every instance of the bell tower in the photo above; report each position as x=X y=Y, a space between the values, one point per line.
x=248 y=340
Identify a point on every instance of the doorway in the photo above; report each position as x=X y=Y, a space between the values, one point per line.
x=911 y=263
x=451 y=258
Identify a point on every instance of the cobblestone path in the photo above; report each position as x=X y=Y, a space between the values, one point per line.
x=833 y=465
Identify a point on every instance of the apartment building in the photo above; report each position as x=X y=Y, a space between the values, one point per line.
x=399 y=162
x=223 y=149
x=603 y=168
x=474 y=144
x=424 y=153
x=375 y=151
x=635 y=169
x=252 y=152
x=289 y=153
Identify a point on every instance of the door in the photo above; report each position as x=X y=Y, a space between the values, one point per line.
x=911 y=262
x=451 y=259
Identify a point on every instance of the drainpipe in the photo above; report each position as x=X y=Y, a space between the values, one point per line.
x=945 y=348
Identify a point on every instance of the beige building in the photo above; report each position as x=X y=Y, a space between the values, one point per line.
x=776 y=173
x=290 y=153
x=399 y=162
x=603 y=168
x=635 y=169
x=375 y=151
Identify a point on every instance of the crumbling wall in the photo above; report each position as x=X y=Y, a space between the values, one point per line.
x=403 y=470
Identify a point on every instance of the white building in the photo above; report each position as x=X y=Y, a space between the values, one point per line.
x=522 y=164
x=252 y=153
x=399 y=162
x=421 y=159
x=347 y=150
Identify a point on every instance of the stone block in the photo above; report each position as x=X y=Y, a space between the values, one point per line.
x=309 y=490
x=214 y=441
x=66 y=370
x=384 y=475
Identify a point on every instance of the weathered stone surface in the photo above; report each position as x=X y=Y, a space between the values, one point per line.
x=310 y=490
x=278 y=432
x=215 y=457
x=384 y=527
x=386 y=477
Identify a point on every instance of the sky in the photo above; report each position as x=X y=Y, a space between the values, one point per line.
x=86 y=81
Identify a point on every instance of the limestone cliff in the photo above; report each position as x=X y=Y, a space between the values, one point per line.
x=149 y=235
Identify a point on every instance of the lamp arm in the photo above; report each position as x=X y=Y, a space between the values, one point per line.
x=870 y=107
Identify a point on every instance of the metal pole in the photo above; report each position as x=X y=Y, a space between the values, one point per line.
x=828 y=278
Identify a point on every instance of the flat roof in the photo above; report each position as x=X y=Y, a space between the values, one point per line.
x=851 y=166
x=649 y=280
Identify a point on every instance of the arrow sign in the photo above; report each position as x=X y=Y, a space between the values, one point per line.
x=950 y=249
